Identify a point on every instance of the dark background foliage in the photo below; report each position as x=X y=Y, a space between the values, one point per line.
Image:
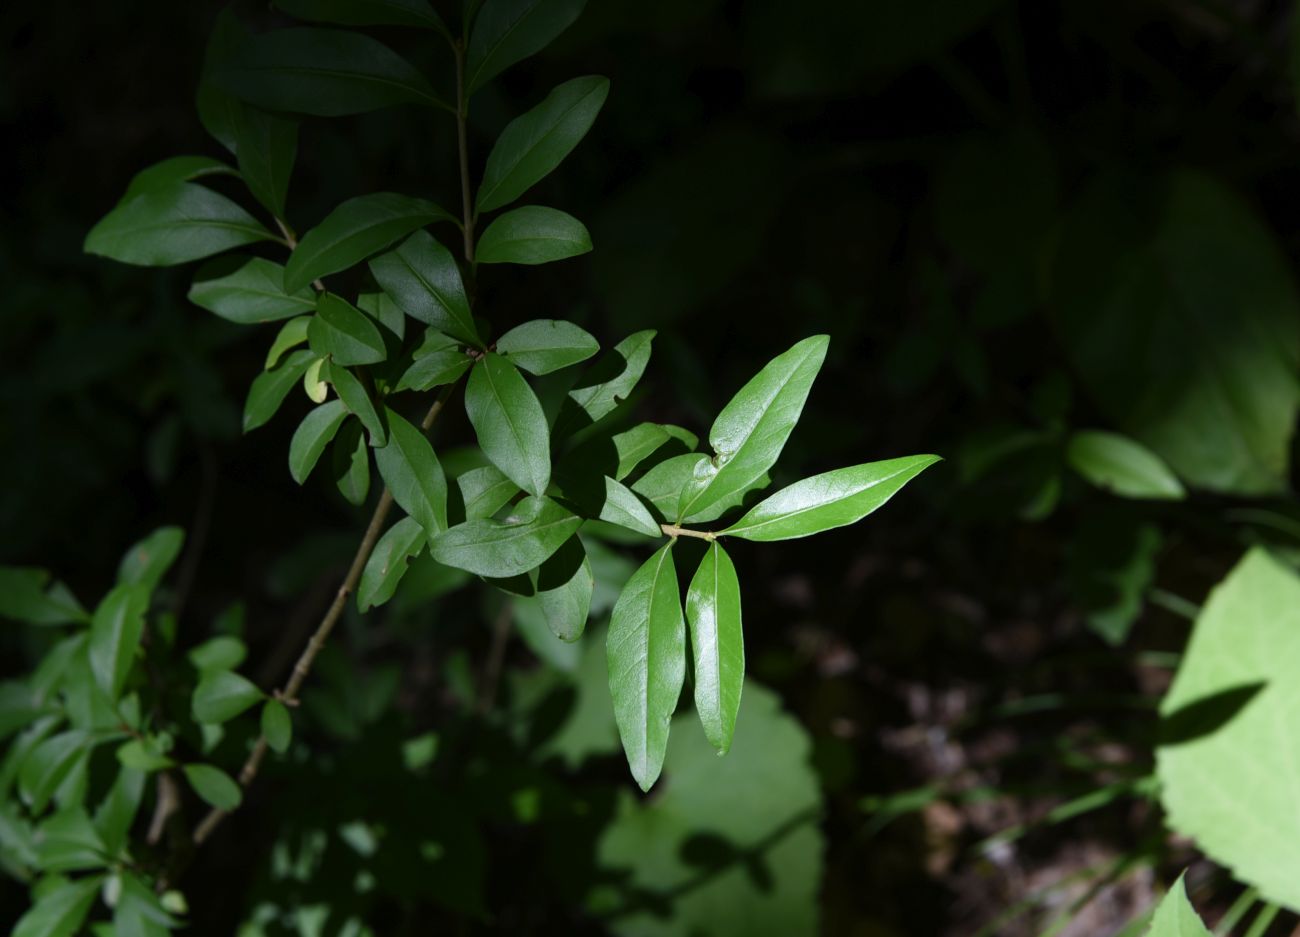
x=898 y=175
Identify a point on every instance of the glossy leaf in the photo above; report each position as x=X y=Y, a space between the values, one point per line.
x=750 y=432
x=312 y=436
x=269 y=388
x=323 y=72
x=624 y=508
x=251 y=294
x=413 y=474
x=343 y=333
x=532 y=145
x=501 y=549
x=277 y=726
x=423 y=279
x=350 y=463
x=564 y=586
x=60 y=911
x=1122 y=466
x=173 y=224
x=646 y=651
x=637 y=444
x=415 y=13
x=148 y=561
x=292 y=334
x=174 y=170
x=830 y=500
x=609 y=381
x=214 y=786
x=546 y=345
x=355 y=230
x=663 y=484
x=436 y=369
x=509 y=422
x=389 y=561
x=1175 y=916
x=266 y=147
x=357 y=400
x=717 y=643
x=507 y=31
x=221 y=695
x=485 y=491
x=115 y=634
x=532 y=235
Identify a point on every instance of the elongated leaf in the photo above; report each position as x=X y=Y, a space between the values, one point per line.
x=546 y=345
x=174 y=170
x=533 y=235
x=277 y=725
x=357 y=400
x=501 y=549
x=350 y=463
x=68 y=842
x=510 y=423
x=353 y=231
x=718 y=644
x=25 y=597
x=646 y=650
x=253 y=293
x=625 y=509
x=117 y=813
x=663 y=485
x=388 y=563
x=214 y=786
x=269 y=388
x=266 y=147
x=830 y=500
x=312 y=436
x=139 y=911
x=115 y=635
x=218 y=110
x=291 y=334
x=532 y=146
x=750 y=432
x=148 y=561
x=343 y=333
x=173 y=224
x=506 y=31
x=415 y=13
x=1175 y=916
x=421 y=276
x=313 y=385
x=380 y=307
x=221 y=695
x=60 y=911
x=413 y=474
x=634 y=446
x=608 y=382
x=435 y=369
x=564 y=586
x=1120 y=465
x=485 y=491
x=324 y=72
x=48 y=764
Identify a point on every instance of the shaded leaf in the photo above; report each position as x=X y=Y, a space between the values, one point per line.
x=423 y=279
x=608 y=382
x=277 y=726
x=1117 y=464
x=148 y=561
x=411 y=471
x=506 y=31
x=546 y=345
x=509 y=422
x=350 y=463
x=222 y=695
x=174 y=170
x=625 y=509
x=357 y=400
x=343 y=333
x=115 y=634
x=60 y=911
x=253 y=293
x=269 y=388
x=266 y=147
x=532 y=235
x=214 y=786
x=501 y=549
x=312 y=436
x=389 y=561
x=416 y=13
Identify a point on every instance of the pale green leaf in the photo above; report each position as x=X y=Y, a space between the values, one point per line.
x=1175 y=916
x=1122 y=466
x=717 y=644
x=624 y=508
x=291 y=334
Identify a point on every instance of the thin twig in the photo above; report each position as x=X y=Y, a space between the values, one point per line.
x=462 y=146
x=672 y=530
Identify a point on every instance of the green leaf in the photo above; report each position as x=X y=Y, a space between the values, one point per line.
x=313 y=385
x=637 y=444
x=1117 y=464
x=435 y=370
x=501 y=549
x=415 y=13
x=60 y=911
x=24 y=597
x=1179 y=311
x=143 y=755
x=176 y=169
x=221 y=695
x=509 y=422
x=389 y=561
x=269 y=388
x=69 y=842
x=624 y=508
x=291 y=334
x=323 y=72
x=663 y=485
x=411 y=470
x=423 y=279
x=214 y=786
x=380 y=307
x=224 y=652
x=173 y=224
x=1175 y=916
x=485 y=491
x=532 y=235
x=546 y=345
x=350 y=463
x=647 y=662
x=219 y=111
x=140 y=912
x=266 y=147
x=750 y=432
x=343 y=333
x=353 y=231
x=115 y=634
x=833 y=499
x=253 y=293
x=564 y=585
x=117 y=813
x=718 y=645
x=1226 y=762
x=532 y=146
x=357 y=401
x=148 y=561
x=48 y=765
x=312 y=436
x=507 y=31
x=609 y=381
x=277 y=726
